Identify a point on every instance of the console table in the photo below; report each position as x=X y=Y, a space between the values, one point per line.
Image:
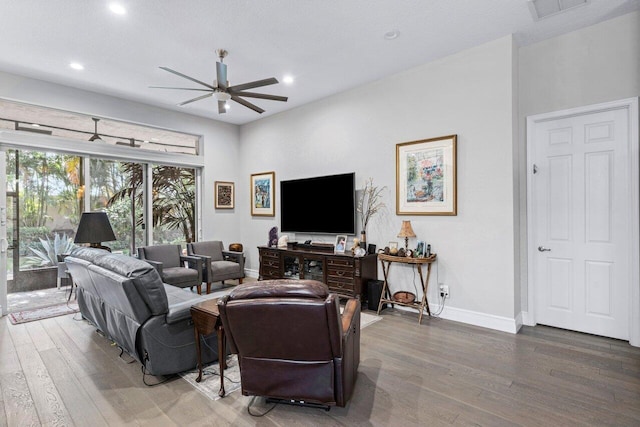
x=344 y=274
x=415 y=262
x=206 y=320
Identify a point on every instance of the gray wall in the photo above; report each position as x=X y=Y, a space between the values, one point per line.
x=470 y=94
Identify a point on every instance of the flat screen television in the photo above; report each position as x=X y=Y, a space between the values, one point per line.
x=322 y=204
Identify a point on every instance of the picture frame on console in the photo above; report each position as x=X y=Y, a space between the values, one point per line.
x=426 y=177
x=263 y=194
x=341 y=243
x=224 y=193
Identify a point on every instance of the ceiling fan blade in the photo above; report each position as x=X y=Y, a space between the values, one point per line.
x=195 y=99
x=187 y=77
x=247 y=104
x=261 y=96
x=251 y=85
x=181 y=88
x=221 y=109
x=221 y=74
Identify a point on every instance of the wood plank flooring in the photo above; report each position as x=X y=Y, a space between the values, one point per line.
x=59 y=372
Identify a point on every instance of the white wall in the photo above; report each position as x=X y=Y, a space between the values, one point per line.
x=220 y=140
x=596 y=64
x=470 y=94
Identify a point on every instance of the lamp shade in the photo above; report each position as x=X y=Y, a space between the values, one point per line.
x=406 y=230
x=94 y=228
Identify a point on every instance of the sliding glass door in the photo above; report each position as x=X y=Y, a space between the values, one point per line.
x=118 y=189
x=174 y=204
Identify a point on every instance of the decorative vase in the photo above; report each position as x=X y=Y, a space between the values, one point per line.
x=363 y=240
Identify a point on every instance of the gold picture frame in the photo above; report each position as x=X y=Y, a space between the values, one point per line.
x=426 y=177
x=224 y=195
x=263 y=194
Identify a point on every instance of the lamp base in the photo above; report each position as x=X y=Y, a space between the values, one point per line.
x=99 y=246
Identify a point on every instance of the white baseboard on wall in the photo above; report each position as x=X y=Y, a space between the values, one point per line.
x=484 y=320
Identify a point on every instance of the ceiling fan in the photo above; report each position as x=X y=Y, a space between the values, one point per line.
x=221 y=90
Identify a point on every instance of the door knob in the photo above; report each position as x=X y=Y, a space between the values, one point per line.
x=543 y=249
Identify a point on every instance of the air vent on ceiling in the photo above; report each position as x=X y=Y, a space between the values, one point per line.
x=544 y=8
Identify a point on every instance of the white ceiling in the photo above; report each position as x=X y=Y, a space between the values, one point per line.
x=328 y=45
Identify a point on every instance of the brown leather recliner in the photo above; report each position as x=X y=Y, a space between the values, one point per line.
x=292 y=342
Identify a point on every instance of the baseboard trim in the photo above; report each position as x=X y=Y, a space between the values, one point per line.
x=484 y=320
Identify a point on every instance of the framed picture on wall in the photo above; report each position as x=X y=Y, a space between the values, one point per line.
x=224 y=195
x=426 y=177
x=263 y=194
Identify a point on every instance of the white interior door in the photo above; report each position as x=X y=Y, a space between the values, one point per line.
x=582 y=220
x=4 y=244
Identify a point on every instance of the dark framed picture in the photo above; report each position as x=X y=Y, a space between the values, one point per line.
x=263 y=194
x=225 y=195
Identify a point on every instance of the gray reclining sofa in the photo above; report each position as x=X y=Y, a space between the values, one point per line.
x=127 y=301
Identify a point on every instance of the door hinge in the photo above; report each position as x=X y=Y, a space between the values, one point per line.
x=535 y=169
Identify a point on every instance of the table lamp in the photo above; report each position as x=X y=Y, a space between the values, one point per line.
x=94 y=228
x=406 y=231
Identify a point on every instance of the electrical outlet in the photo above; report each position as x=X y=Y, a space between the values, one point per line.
x=444 y=291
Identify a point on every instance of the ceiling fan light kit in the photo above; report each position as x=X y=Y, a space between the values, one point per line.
x=221 y=90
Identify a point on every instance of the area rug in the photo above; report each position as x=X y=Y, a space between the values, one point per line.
x=210 y=384
x=367 y=319
x=43 y=312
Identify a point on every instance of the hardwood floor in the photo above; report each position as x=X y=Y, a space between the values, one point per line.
x=59 y=371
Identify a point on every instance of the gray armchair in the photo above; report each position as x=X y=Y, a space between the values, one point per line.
x=174 y=268
x=218 y=265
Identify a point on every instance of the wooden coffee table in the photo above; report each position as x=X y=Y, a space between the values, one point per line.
x=206 y=320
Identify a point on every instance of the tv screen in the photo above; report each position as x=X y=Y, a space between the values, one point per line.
x=323 y=204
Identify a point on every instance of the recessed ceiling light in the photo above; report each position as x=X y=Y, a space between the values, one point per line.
x=117 y=8
x=391 y=35
x=76 y=66
x=287 y=79
x=35 y=125
x=227 y=106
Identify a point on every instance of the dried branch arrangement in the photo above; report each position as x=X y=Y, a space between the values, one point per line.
x=370 y=202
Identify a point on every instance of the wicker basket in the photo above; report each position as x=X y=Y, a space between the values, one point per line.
x=404 y=297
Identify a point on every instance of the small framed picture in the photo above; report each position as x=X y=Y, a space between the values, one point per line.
x=263 y=194
x=420 y=249
x=341 y=244
x=224 y=195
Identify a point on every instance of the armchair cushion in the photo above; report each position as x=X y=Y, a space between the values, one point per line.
x=168 y=255
x=218 y=264
x=212 y=249
x=170 y=264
